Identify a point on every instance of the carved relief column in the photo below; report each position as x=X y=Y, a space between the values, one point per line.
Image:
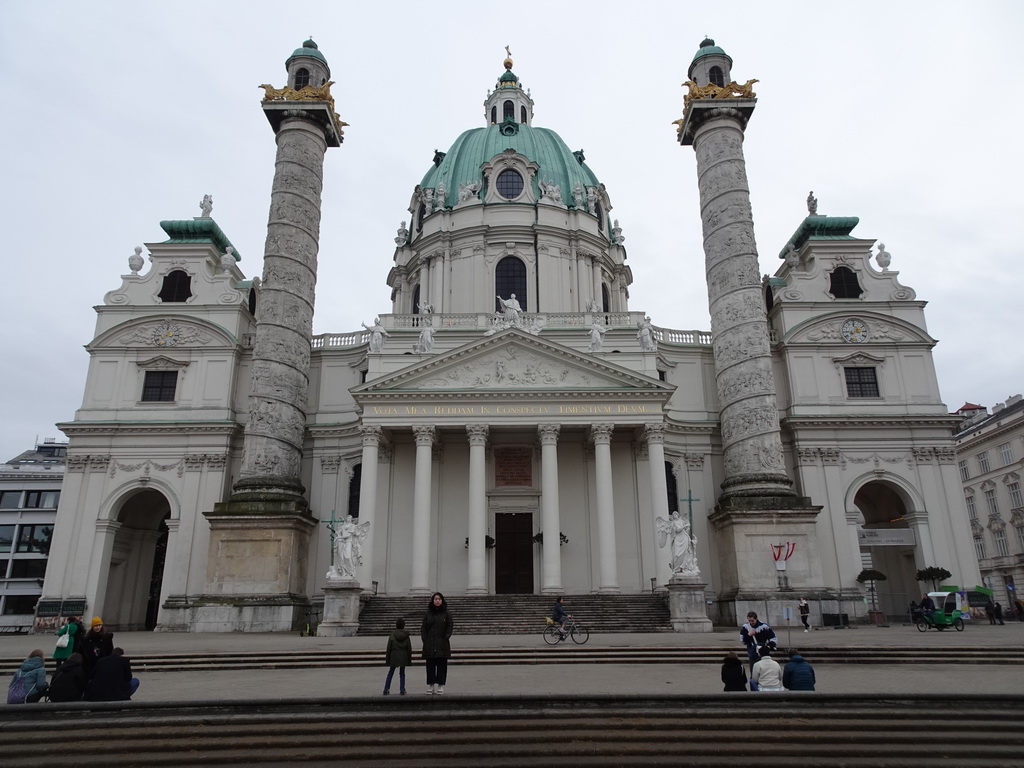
x=551 y=526
x=476 y=582
x=601 y=434
x=368 y=497
x=260 y=538
x=654 y=434
x=421 y=512
x=757 y=499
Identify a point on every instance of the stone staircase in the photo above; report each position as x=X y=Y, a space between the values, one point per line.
x=783 y=730
x=521 y=614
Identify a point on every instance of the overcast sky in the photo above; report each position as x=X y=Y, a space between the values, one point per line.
x=118 y=115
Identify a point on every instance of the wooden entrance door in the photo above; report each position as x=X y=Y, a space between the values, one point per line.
x=513 y=553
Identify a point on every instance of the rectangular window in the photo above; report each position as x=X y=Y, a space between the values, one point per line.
x=972 y=511
x=3 y=568
x=983 y=462
x=990 y=500
x=1016 y=499
x=20 y=605
x=979 y=547
x=1020 y=536
x=41 y=499
x=6 y=538
x=10 y=499
x=965 y=471
x=861 y=382
x=35 y=538
x=1002 y=550
x=1006 y=454
x=159 y=386
x=28 y=569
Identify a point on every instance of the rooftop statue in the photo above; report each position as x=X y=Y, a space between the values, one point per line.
x=645 y=335
x=206 y=206
x=377 y=334
x=812 y=204
x=597 y=332
x=227 y=260
x=511 y=309
x=402 y=236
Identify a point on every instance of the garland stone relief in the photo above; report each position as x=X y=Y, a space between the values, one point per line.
x=513 y=367
x=166 y=333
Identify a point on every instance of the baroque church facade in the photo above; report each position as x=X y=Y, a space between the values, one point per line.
x=511 y=425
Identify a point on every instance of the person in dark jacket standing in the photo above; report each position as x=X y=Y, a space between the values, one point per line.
x=436 y=632
x=113 y=679
x=798 y=674
x=805 y=612
x=398 y=654
x=68 y=683
x=94 y=645
x=733 y=674
x=754 y=635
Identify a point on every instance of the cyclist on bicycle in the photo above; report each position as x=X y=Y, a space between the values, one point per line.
x=560 y=616
x=927 y=607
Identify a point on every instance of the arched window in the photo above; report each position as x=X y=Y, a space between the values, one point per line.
x=844 y=284
x=509 y=278
x=606 y=302
x=716 y=76
x=509 y=184
x=673 y=489
x=354 y=486
x=769 y=298
x=177 y=287
x=522 y=112
x=416 y=300
x=599 y=212
x=420 y=214
x=252 y=302
x=301 y=78
x=494 y=114
x=508 y=109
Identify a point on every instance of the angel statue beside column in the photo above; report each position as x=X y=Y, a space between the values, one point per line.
x=676 y=531
x=348 y=548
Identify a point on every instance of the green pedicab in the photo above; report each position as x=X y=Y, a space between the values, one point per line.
x=947 y=613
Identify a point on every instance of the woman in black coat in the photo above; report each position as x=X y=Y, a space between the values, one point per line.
x=733 y=674
x=435 y=633
x=68 y=683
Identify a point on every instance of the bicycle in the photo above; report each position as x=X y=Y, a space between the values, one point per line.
x=553 y=634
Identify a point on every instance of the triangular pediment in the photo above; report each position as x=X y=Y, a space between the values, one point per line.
x=514 y=361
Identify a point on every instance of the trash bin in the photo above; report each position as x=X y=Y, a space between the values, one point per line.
x=835 y=619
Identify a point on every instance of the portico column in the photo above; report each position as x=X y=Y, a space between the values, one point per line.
x=421 y=512
x=550 y=523
x=601 y=434
x=595 y=268
x=368 y=498
x=424 y=286
x=654 y=434
x=476 y=582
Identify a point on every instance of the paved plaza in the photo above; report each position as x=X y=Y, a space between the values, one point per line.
x=582 y=678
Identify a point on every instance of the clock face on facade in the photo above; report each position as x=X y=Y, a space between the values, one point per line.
x=855 y=330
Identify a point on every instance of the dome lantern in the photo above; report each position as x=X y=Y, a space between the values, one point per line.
x=508 y=102
x=307 y=66
x=710 y=65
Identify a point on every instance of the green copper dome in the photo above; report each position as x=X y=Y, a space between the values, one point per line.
x=476 y=146
x=707 y=48
x=309 y=49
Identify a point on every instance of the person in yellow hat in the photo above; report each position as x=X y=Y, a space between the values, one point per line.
x=96 y=644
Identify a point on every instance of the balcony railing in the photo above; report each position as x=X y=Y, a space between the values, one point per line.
x=558 y=321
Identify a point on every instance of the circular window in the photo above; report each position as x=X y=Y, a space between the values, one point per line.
x=510 y=184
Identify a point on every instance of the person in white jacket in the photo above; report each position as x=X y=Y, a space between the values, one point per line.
x=767 y=673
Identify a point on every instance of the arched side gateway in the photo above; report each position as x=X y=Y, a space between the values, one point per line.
x=136 y=536
x=892 y=534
